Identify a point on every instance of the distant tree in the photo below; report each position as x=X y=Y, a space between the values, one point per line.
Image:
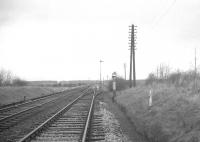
x=151 y=78
x=163 y=72
x=1 y=77
x=19 y=82
x=161 y=75
x=5 y=77
x=8 y=77
x=174 y=78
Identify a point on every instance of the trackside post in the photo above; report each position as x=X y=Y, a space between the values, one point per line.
x=150 y=100
x=114 y=88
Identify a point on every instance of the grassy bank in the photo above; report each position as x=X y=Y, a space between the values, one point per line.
x=14 y=94
x=174 y=116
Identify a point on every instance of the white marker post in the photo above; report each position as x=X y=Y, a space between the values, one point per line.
x=150 y=99
x=114 y=75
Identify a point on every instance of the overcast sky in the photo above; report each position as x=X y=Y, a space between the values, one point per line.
x=64 y=40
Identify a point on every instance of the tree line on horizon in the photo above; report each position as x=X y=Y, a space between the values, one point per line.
x=8 y=79
x=177 y=78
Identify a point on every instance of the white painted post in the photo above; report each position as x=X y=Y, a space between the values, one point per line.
x=150 y=99
x=114 y=75
x=114 y=85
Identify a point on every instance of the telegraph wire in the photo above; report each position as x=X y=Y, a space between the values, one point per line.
x=164 y=14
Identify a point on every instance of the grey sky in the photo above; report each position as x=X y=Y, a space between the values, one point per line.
x=59 y=39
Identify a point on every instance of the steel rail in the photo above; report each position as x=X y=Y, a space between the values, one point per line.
x=52 y=118
x=36 y=99
x=31 y=101
x=84 y=137
x=2 y=120
x=28 y=109
x=39 y=99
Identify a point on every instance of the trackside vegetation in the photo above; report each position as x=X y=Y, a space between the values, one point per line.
x=175 y=113
x=8 y=79
x=121 y=84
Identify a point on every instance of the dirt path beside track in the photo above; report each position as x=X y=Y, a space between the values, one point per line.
x=126 y=126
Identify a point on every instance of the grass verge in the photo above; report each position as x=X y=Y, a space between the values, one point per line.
x=174 y=116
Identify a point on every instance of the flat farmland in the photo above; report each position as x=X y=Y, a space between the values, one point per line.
x=15 y=94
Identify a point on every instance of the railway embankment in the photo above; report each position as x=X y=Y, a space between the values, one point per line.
x=173 y=117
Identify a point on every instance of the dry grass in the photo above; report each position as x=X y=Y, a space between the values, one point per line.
x=175 y=114
x=15 y=94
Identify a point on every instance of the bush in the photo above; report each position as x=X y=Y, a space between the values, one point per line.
x=151 y=78
x=121 y=84
x=174 y=78
x=179 y=79
x=19 y=82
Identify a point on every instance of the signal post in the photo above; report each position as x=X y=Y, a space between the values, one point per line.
x=114 y=88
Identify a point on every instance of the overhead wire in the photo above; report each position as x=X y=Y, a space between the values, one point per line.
x=164 y=14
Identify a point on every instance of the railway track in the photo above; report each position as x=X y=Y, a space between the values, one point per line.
x=21 y=103
x=72 y=123
x=14 y=114
x=33 y=100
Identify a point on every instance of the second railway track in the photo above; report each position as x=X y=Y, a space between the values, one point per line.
x=72 y=123
x=14 y=114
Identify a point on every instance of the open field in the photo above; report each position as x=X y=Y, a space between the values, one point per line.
x=14 y=94
x=174 y=116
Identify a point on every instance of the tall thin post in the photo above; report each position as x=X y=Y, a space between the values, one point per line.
x=132 y=56
x=195 y=71
x=133 y=44
x=130 y=74
x=114 y=75
x=100 y=72
x=125 y=71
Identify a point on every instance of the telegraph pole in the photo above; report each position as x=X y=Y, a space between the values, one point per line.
x=130 y=74
x=195 y=71
x=125 y=71
x=134 y=39
x=132 y=56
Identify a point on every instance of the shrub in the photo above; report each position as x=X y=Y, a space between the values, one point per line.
x=179 y=79
x=151 y=78
x=121 y=84
x=174 y=78
x=19 y=82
